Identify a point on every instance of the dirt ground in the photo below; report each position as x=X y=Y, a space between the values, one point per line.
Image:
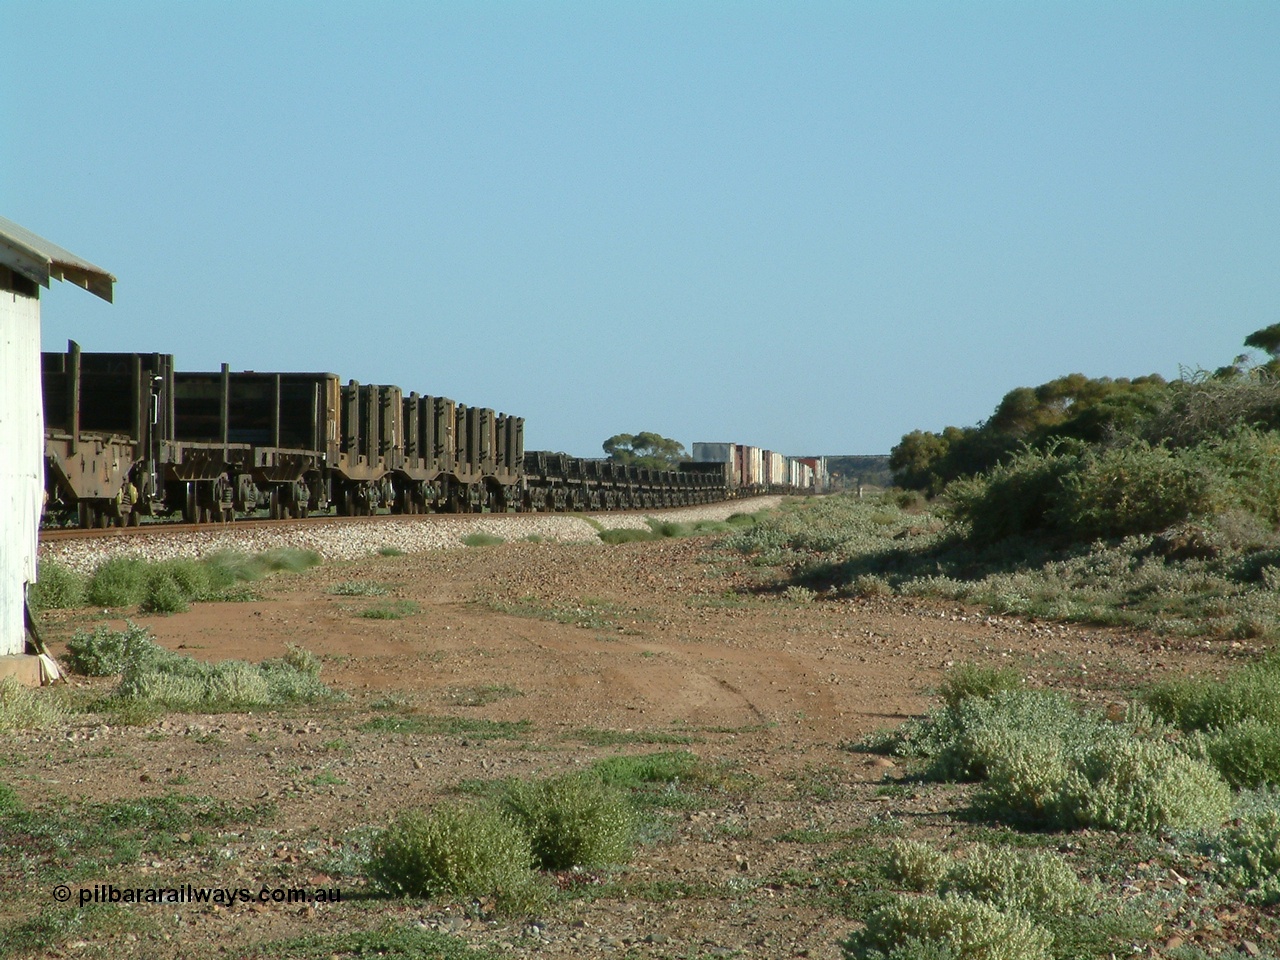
x=646 y=646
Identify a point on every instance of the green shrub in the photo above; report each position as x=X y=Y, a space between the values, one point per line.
x=229 y=567
x=1134 y=489
x=575 y=820
x=287 y=560
x=631 y=772
x=118 y=582
x=105 y=652
x=950 y=926
x=1250 y=459
x=455 y=851
x=917 y=866
x=1032 y=883
x=25 y=708
x=1249 y=849
x=195 y=578
x=1206 y=704
x=627 y=535
x=973 y=681
x=295 y=677
x=1117 y=782
x=962 y=741
x=1247 y=754
x=482 y=540
x=163 y=594
x=57 y=588
x=1012 y=499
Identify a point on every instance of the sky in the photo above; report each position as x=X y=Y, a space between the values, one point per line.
x=811 y=227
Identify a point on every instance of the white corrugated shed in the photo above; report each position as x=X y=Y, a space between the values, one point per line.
x=27 y=262
x=21 y=460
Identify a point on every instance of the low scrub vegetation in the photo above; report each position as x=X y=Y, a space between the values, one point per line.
x=1122 y=502
x=25 y=708
x=1249 y=848
x=573 y=821
x=665 y=529
x=489 y=846
x=151 y=676
x=950 y=926
x=66 y=840
x=1216 y=577
x=460 y=851
x=1045 y=763
x=166 y=586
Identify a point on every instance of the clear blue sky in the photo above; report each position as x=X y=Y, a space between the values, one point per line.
x=808 y=226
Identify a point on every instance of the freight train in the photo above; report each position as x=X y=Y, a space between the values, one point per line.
x=128 y=436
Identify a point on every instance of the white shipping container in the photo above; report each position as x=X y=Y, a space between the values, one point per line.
x=777 y=469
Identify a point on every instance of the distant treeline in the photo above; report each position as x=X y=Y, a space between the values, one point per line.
x=1082 y=457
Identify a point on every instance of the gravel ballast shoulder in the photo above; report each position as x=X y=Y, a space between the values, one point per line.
x=353 y=539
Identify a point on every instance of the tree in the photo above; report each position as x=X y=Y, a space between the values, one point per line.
x=1268 y=339
x=649 y=450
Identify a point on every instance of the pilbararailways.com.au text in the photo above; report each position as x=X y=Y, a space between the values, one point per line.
x=223 y=896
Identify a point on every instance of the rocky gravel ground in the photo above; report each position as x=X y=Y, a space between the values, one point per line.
x=529 y=659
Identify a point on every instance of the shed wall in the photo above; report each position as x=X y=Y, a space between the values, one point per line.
x=21 y=459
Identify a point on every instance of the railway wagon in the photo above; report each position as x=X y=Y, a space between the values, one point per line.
x=129 y=436
x=244 y=441
x=558 y=482
x=107 y=426
x=457 y=458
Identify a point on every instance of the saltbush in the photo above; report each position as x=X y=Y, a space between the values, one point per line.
x=970 y=680
x=1248 y=849
x=105 y=652
x=917 y=866
x=961 y=741
x=1034 y=883
x=951 y=925
x=1118 y=782
x=57 y=588
x=460 y=851
x=1045 y=763
x=155 y=677
x=1200 y=703
x=572 y=821
x=1246 y=754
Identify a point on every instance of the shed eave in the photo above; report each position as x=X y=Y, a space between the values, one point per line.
x=41 y=261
